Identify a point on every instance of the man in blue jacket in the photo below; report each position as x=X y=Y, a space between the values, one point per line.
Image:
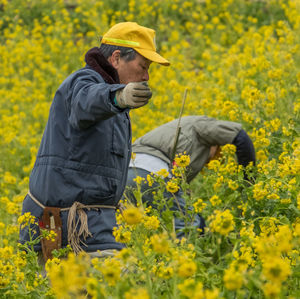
x=81 y=166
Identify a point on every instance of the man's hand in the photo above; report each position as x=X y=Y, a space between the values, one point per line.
x=134 y=95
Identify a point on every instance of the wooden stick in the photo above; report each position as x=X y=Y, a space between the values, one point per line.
x=178 y=129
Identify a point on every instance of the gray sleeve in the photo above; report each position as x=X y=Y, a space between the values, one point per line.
x=216 y=132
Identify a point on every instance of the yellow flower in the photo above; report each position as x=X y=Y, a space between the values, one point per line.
x=20 y=276
x=233 y=279
x=285 y=201
x=92 y=286
x=121 y=235
x=284 y=238
x=139 y=293
x=2 y=226
x=259 y=191
x=4 y=281
x=132 y=215
x=261 y=155
x=20 y=260
x=151 y=222
x=222 y=222
x=13 y=208
x=199 y=205
x=177 y=171
x=138 y=180
x=6 y=252
x=297 y=230
x=214 y=165
x=172 y=186
x=111 y=270
x=187 y=268
x=211 y=294
x=215 y=200
x=182 y=160
x=48 y=235
x=26 y=219
x=219 y=182
x=232 y=185
x=64 y=284
x=166 y=272
x=187 y=288
x=9 y=178
x=276 y=269
x=163 y=173
x=160 y=243
x=271 y=290
x=150 y=180
x=229 y=149
x=125 y=254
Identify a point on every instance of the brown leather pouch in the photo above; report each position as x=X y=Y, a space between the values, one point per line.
x=51 y=220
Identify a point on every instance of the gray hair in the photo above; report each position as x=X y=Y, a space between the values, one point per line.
x=127 y=54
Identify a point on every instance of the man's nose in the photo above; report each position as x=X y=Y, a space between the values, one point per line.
x=146 y=76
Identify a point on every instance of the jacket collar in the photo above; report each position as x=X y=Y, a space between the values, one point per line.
x=99 y=63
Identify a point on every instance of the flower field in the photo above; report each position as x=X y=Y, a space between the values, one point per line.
x=239 y=61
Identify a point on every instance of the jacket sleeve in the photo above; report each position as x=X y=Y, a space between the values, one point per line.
x=215 y=132
x=91 y=99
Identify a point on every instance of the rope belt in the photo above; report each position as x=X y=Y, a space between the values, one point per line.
x=74 y=235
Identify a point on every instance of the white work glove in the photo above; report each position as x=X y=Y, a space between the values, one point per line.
x=134 y=95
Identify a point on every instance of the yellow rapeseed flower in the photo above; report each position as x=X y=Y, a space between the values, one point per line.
x=172 y=186
x=228 y=149
x=163 y=173
x=187 y=268
x=121 y=234
x=26 y=219
x=139 y=180
x=233 y=279
x=165 y=272
x=177 y=171
x=222 y=222
x=132 y=215
x=182 y=160
x=211 y=294
x=215 y=200
x=111 y=270
x=151 y=222
x=160 y=243
x=64 y=284
x=199 y=205
x=276 y=269
x=271 y=290
x=187 y=288
x=137 y=293
x=2 y=226
x=150 y=180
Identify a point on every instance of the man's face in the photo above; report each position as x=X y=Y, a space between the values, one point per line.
x=135 y=70
x=214 y=153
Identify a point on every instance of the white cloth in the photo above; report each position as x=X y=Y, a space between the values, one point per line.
x=148 y=162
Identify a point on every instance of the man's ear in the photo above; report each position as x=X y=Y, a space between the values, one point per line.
x=114 y=59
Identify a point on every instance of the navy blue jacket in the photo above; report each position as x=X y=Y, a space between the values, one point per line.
x=83 y=156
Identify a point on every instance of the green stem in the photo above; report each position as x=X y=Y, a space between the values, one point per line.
x=175 y=293
x=148 y=278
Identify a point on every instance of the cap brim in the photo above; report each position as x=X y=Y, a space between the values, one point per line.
x=153 y=56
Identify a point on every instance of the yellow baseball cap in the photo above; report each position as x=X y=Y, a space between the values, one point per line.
x=139 y=38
